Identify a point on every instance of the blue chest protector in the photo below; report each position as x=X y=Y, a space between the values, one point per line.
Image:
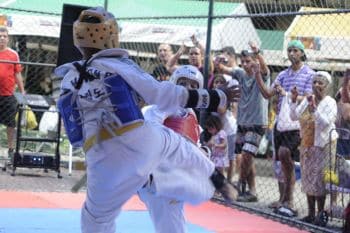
x=122 y=97
x=67 y=106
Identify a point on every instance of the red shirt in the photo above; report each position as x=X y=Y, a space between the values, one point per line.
x=8 y=71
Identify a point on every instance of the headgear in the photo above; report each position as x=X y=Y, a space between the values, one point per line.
x=96 y=28
x=188 y=71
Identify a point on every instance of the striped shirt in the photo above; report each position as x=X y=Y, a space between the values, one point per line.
x=288 y=79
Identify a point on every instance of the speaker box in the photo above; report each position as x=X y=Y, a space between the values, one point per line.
x=67 y=52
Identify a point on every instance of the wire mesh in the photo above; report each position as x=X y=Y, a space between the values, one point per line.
x=321 y=25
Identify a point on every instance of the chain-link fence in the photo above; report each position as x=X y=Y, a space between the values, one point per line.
x=322 y=26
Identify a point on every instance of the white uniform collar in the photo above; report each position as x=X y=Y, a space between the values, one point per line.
x=65 y=68
x=111 y=53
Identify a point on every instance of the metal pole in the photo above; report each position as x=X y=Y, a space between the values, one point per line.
x=70 y=159
x=106 y=4
x=207 y=56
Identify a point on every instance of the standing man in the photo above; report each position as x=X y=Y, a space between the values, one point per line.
x=160 y=72
x=287 y=142
x=10 y=75
x=252 y=117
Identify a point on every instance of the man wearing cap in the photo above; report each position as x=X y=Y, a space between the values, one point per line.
x=286 y=142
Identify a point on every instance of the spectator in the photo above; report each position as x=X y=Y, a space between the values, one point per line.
x=287 y=141
x=229 y=125
x=10 y=75
x=195 y=58
x=252 y=116
x=317 y=114
x=343 y=141
x=217 y=142
x=160 y=72
x=227 y=59
x=343 y=119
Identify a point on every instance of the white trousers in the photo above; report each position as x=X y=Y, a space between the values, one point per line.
x=119 y=167
x=166 y=214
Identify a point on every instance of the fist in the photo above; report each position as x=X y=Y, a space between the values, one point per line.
x=232 y=91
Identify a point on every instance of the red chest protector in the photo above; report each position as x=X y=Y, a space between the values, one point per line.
x=187 y=126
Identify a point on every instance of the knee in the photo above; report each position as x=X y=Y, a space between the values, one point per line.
x=284 y=154
x=244 y=160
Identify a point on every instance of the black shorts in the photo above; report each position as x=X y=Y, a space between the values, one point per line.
x=248 y=139
x=8 y=110
x=343 y=148
x=290 y=139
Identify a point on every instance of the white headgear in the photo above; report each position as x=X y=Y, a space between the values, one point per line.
x=187 y=71
x=96 y=28
x=325 y=75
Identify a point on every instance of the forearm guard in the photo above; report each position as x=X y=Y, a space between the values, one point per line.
x=208 y=99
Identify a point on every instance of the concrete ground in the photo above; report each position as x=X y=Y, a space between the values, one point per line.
x=37 y=180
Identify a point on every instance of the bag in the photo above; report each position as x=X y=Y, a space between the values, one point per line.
x=28 y=120
x=49 y=120
x=284 y=123
x=343 y=172
x=264 y=143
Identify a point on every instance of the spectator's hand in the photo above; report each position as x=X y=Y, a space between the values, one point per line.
x=294 y=94
x=254 y=47
x=219 y=66
x=312 y=103
x=255 y=67
x=194 y=40
x=182 y=49
x=279 y=90
x=212 y=142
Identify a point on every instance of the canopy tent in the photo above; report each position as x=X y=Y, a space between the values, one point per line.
x=325 y=36
x=226 y=32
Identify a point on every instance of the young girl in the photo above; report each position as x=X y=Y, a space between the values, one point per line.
x=217 y=143
x=229 y=125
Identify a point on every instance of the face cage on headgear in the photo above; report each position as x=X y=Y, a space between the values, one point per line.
x=101 y=35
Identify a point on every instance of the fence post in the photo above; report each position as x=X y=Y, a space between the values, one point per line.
x=207 y=56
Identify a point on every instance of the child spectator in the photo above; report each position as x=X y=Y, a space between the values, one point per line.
x=217 y=143
x=229 y=125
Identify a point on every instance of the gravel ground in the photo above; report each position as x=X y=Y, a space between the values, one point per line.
x=37 y=180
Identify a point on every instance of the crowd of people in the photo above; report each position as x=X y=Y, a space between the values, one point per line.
x=304 y=114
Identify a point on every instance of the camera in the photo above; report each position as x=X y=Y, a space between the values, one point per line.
x=221 y=59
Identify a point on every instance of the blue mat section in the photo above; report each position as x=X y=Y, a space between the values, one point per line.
x=67 y=221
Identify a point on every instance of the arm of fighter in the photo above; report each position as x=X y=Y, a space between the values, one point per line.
x=168 y=95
